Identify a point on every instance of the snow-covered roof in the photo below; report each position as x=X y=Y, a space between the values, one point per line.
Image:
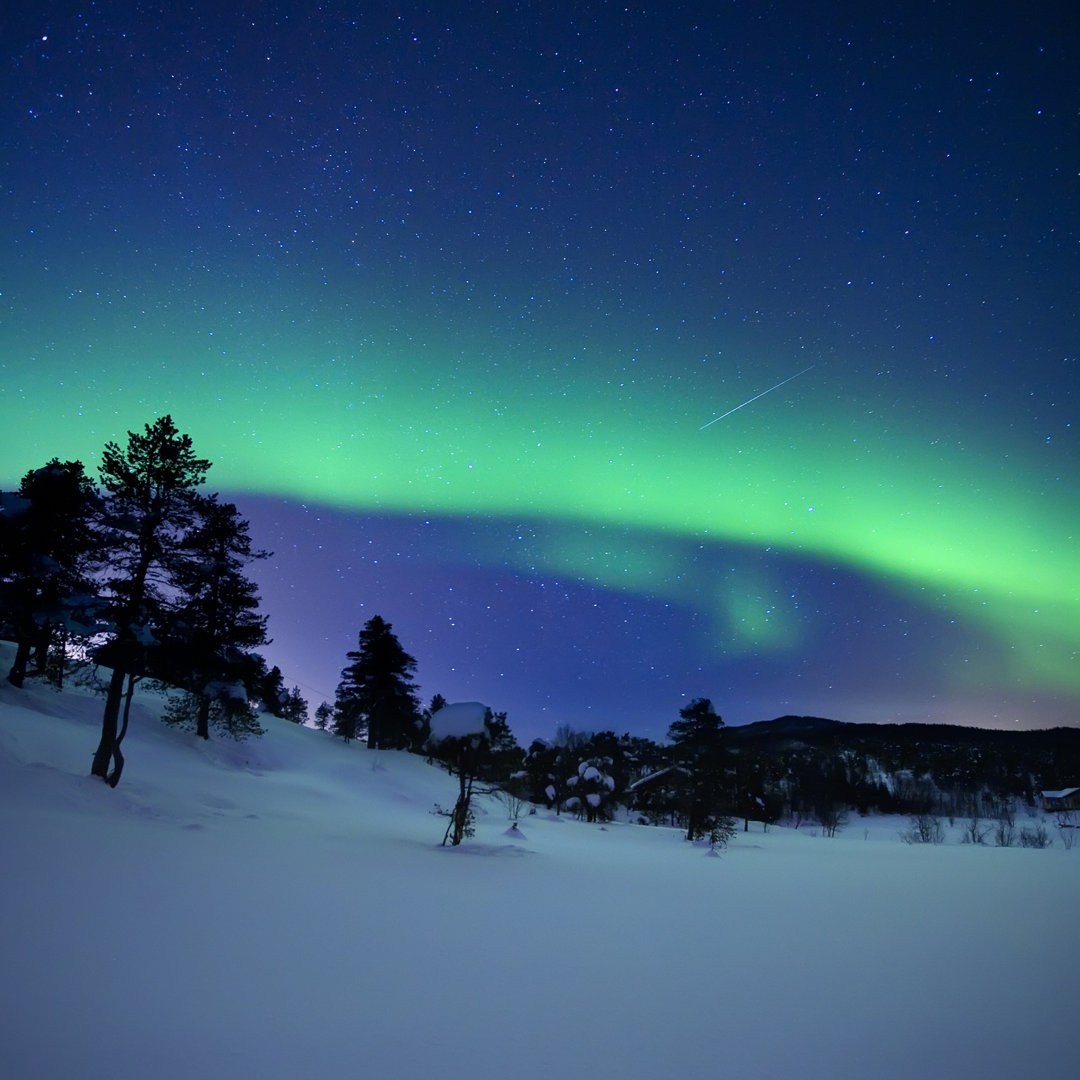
x=1064 y=793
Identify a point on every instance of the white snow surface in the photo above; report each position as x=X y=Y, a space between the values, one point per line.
x=458 y=720
x=281 y=908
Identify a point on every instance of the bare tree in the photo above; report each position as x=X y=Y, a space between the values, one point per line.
x=1005 y=826
x=924 y=829
x=832 y=818
x=1066 y=829
x=1035 y=836
x=975 y=830
x=514 y=803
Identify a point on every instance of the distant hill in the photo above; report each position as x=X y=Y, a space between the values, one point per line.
x=898 y=768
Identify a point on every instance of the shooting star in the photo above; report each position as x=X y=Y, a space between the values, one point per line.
x=750 y=401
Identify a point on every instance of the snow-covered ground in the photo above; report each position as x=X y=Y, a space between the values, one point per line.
x=281 y=908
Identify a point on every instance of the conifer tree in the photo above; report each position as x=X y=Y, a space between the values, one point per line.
x=214 y=625
x=700 y=755
x=271 y=690
x=46 y=546
x=377 y=695
x=152 y=502
x=294 y=708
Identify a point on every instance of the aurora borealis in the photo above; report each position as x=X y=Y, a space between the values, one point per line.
x=450 y=294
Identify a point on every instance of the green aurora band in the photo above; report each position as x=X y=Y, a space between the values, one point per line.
x=842 y=470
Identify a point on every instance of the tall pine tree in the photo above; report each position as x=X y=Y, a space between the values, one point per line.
x=46 y=547
x=700 y=754
x=214 y=625
x=377 y=695
x=152 y=503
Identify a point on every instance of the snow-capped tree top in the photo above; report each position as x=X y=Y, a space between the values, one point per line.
x=589 y=772
x=459 y=720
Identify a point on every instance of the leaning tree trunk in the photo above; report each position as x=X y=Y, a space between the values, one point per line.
x=455 y=829
x=459 y=819
x=109 y=747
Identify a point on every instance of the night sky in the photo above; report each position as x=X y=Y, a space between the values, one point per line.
x=451 y=294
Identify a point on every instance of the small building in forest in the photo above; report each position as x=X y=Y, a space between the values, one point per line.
x=1057 y=801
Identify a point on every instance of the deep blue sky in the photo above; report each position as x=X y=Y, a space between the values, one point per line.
x=450 y=296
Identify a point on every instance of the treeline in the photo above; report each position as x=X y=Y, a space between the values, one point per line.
x=143 y=573
x=797 y=770
x=707 y=777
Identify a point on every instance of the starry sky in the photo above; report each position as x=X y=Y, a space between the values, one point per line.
x=616 y=354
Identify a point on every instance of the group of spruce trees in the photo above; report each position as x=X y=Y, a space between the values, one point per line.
x=148 y=571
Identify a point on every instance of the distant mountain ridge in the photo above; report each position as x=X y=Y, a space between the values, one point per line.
x=819 y=728
x=948 y=768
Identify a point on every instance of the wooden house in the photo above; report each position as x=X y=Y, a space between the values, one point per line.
x=1065 y=799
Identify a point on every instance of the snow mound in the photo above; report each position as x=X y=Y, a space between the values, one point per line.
x=459 y=720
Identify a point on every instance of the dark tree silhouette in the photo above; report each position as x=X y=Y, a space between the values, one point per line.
x=294 y=708
x=214 y=623
x=152 y=502
x=377 y=695
x=476 y=745
x=700 y=755
x=46 y=546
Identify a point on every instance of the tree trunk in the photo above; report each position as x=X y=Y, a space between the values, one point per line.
x=108 y=747
x=42 y=639
x=17 y=674
x=61 y=659
x=460 y=817
x=202 y=722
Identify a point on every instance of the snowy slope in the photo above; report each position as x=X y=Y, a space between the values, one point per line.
x=281 y=908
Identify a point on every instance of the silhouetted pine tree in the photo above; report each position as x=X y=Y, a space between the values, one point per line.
x=46 y=546
x=271 y=690
x=152 y=502
x=377 y=695
x=294 y=708
x=700 y=756
x=208 y=635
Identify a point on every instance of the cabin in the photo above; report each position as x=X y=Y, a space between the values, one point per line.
x=1057 y=801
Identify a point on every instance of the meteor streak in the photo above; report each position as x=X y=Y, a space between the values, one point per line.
x=755 y=397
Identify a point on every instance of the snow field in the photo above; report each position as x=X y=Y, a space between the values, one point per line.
x=281 y=908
